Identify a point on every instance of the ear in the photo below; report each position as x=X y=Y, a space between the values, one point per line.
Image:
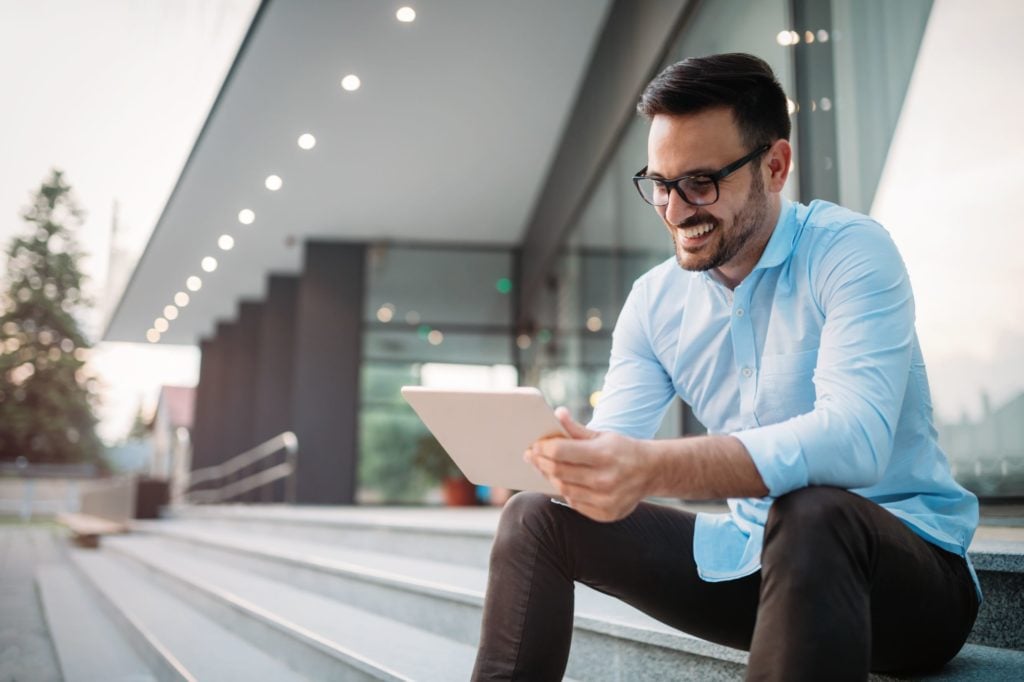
x=778 y=161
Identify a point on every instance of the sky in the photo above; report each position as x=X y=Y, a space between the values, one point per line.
x=114 y=93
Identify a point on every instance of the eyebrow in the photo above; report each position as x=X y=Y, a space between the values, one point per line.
x=689 y=173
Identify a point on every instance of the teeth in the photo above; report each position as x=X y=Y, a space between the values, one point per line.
x=691 y=232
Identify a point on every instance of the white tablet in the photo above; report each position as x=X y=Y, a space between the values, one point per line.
x=487 y=432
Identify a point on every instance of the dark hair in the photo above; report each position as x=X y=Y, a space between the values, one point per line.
x=742 y=82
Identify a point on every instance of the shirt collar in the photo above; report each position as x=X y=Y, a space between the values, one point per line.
x=780 y=244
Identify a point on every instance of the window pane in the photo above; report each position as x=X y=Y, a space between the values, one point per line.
x=949 y=194
x=418 y=285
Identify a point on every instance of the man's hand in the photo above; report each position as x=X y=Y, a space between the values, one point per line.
x=602 y=475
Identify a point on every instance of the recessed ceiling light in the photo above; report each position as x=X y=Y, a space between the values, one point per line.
x=351 y=82
x=406 y=14
x=226 y=242
x=181 y=299
x=209 y=264
x=152 y=336
x=160 y=324
x=273 y=182
x=194 y=283
x=307 y=141
x=170 y=312
x=246 y=216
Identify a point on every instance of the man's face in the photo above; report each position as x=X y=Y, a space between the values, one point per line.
x=730 y=234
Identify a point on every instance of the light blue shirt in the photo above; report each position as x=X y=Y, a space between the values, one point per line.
x=812 y=362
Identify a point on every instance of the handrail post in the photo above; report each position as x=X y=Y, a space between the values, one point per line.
x=291 y=483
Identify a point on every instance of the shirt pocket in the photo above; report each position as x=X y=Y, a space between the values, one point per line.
x=785 y=386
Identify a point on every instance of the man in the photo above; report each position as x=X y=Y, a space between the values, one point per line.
x=790 y=331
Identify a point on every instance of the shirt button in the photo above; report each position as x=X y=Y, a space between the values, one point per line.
x=747 y=372
x=739 y=312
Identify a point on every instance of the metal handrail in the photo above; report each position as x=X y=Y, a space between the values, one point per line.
x=286 y=441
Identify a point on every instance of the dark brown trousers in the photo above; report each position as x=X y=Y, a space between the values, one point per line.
x=845 y=587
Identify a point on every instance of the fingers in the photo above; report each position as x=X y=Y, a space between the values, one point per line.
x=559 y=471
x=571 y=426
x=565 y=476
x=569 y=451
x=589 y=490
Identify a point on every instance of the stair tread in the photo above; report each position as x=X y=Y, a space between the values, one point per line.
x=596 y=610
x=371 y=634
x=89 y=645
x=995 y=547
x=203 y=648
x=975 y=663
x=467 y=580
x=373 y=638
x=481 y=521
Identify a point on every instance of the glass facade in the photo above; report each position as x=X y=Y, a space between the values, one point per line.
x=903 y=111
x=427 y=308
x=948 y=192
x=617 y=237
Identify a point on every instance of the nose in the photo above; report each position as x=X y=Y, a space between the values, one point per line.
x=677 y=211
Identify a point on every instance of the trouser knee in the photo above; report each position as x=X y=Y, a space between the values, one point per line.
x=525 y=520
x=813 y=522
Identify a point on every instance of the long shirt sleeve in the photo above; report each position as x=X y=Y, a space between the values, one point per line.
x=863 y=292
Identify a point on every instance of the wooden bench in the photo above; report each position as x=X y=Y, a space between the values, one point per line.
x=86 y=529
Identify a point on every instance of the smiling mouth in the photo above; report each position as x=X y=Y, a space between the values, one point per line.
x=697 y=230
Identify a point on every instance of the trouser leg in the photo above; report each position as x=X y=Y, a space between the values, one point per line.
x=848 y=588
x=646 y=560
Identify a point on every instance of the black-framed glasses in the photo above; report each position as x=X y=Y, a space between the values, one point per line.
x=696 y=190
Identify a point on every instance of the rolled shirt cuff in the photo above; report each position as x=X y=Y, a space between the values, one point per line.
x=778 y=456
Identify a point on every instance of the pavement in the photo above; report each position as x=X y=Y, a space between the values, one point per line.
x=26 y=653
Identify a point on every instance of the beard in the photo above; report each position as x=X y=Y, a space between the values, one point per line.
x=732 y=239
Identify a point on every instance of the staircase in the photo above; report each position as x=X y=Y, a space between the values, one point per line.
x=289 y=593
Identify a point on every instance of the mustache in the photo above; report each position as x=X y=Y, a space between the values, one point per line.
x=698 y=219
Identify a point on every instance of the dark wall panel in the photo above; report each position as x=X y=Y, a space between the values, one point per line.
x=275 y=368
x=328 y=349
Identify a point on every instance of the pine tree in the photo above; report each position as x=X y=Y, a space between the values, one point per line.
x=46 y=402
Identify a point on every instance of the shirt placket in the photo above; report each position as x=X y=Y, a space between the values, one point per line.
x=742 y=332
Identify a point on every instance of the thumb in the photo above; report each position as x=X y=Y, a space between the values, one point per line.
x=571 y=426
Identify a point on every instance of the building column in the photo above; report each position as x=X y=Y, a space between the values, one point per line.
x=221 y=437
x=242 y=365
x=327 y=356
x=208 y=420
x=274 y=370
x=200 y=417
x=817 y=145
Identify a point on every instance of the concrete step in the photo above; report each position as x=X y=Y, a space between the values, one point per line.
x=464 y=537
x=175 y=641
x=998 y=558
x=322 y=637
x=611 y=641
x=89 y=645
x=458 y=536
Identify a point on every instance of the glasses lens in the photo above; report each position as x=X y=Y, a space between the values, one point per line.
x=699 y=190
x=653 y=192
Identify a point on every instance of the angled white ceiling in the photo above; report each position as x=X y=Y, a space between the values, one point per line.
x=448 y=139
